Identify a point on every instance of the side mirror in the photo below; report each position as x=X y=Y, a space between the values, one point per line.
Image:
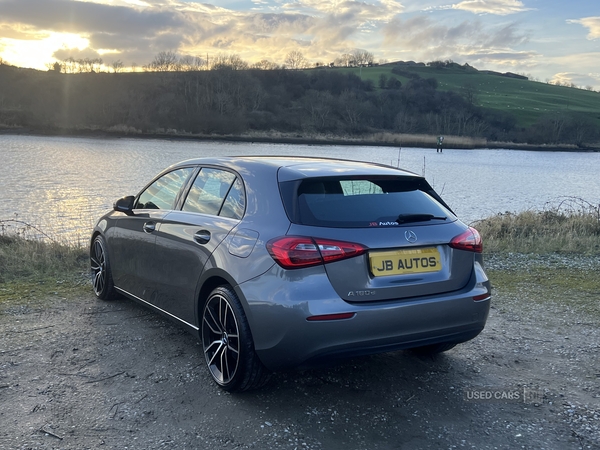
x=125 y=205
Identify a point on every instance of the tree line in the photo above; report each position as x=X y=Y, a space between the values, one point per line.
x=169 y=61
x=233 y=98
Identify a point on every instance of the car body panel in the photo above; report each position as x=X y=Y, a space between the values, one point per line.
x=132 y=251
x=184 y=244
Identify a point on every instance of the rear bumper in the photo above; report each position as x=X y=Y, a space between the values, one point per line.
x=406 y=342
x=277 y=307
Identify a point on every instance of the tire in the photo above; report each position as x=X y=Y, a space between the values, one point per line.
x=433 y=349
x=102 y=280
x=227 y=343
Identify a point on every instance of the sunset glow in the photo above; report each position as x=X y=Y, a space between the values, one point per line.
x=36 y=53
x=544 y=39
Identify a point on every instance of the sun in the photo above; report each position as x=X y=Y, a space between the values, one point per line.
x=36 y=53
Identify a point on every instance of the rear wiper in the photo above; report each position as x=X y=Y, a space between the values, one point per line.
x=408 y=218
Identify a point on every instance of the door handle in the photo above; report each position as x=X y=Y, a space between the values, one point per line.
x=149 y=227
x=202 y=236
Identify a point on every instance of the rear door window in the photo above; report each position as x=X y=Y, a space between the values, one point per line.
x=216 y=192
x=362 y=202
x=235 y=202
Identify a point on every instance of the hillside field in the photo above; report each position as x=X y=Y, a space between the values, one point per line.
x=527 y=100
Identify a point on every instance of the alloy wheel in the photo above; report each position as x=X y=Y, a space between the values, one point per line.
x=98 y=266
x=220 y=339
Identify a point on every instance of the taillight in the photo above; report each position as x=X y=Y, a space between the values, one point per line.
x=293 y=252
x=470 y=240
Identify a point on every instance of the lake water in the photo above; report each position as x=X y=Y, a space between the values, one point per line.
x=61 y=184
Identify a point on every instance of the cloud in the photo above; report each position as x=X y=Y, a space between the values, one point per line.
x=134 y=33
x=423 y=32
x=382 y=10
x=21 y=32
x=584 y=64
x=573 y=78
x=86 y=17
x=592 y=24
x=497 y=7
x=140 y=29
x=422 y=38
x=76 y=54
x=510 y=61
x=319 y=29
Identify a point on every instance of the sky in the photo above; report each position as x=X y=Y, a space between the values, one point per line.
x=549 y=40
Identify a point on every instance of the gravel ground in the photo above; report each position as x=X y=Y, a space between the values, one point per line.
x=503 y=261
x=84 y=373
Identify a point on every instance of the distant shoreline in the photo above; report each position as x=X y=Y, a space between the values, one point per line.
x=375 y=139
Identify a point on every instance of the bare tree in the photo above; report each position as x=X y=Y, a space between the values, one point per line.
x=163 y=62
x=117 y=66
x=69 y=65
x=191 y=63
x=265 y=64
x=469 y=92
x=232 y=62
x=350 y=109
x=88 y=65
x=295 y=60
x=362 y=57
x=344 y=60
x=318 y=105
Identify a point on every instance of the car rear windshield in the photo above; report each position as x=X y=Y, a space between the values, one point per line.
x=362 y=202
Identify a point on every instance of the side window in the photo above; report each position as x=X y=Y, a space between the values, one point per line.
x=235 y=203
x=163 y=192
x=208 y=192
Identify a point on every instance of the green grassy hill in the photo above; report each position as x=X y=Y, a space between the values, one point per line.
x=526 y=100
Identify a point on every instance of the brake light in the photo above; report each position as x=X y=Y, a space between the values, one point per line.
x=293 y=252
x=470 y=241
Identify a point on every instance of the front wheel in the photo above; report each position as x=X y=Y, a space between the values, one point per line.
x=102 y=280
x=227 y=343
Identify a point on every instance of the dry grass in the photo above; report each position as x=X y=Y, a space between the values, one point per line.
x=25 y=259
x=424 y=140
x=573 y=226
x=382 y=138
x=33 y=270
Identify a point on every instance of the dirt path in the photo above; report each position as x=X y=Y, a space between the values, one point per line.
x=91 y=374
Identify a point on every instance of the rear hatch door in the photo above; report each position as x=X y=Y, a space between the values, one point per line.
x=404 y=225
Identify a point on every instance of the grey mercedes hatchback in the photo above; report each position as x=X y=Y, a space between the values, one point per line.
x=281 y=262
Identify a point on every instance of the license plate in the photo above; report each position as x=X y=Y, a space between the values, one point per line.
x=400 y=262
